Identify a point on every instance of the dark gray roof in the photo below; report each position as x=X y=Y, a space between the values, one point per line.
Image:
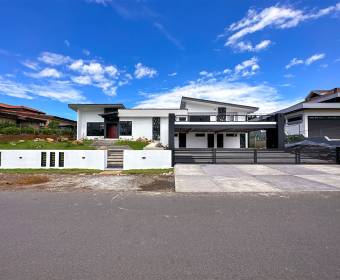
x=102 y=105
x=184 y=98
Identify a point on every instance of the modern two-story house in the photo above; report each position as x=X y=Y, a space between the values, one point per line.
x=197 y=123
x=317 y=116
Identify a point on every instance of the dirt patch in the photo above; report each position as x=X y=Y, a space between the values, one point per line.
x=159 y=184
x=87 y=182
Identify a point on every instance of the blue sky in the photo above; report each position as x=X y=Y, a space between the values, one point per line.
x=148 y=53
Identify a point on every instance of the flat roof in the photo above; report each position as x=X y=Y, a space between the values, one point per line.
x=75 y=107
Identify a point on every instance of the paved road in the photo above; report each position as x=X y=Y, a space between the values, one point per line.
x=256 y=178
x=87 y=235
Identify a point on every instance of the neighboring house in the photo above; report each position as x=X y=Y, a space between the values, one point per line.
x=317 y=116
x=197 y=123
x=24 y=116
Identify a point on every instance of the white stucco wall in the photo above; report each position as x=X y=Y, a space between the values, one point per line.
x=86 y=115
x=83 y=159
x=146 y=159
x=209 y=108
x=193 y=141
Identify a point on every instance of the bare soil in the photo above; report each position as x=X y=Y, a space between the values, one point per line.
x=87 y=182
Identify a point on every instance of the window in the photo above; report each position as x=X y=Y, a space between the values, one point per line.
x=125 y=128
x=156 y=128
x=95 y=129
x=294 y=120
x=182 y=119
x=200 y=134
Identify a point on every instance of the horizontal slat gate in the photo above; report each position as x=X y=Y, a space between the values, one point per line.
x=254 y=156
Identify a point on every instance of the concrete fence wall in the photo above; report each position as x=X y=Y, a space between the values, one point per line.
x=147 y=159
x=82 y=159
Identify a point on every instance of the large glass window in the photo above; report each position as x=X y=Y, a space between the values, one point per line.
x=125 y=128
x=156 y=128
x=95 y=129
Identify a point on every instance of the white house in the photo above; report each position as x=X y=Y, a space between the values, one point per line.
x=317 y=116
x=197 y=123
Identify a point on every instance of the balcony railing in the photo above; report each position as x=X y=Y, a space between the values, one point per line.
x=225 y=118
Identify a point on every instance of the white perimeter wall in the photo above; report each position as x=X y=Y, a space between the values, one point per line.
x=82 y=159
x=146 y=159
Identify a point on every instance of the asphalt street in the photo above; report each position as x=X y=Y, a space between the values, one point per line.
x=108 y=235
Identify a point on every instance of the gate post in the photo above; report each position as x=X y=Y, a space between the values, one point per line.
x=337 y=155
x=297 y=157
x=255 y=156
x=214 y=155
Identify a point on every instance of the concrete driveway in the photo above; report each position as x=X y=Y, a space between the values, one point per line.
x=256 y=178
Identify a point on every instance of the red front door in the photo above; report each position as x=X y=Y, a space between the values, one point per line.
x=111 y=131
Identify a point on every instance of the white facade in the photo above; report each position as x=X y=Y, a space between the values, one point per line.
x=140 y=121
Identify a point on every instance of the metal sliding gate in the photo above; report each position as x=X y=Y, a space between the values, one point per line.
x=255 y=156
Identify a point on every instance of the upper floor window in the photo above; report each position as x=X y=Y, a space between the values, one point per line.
x=95 y=129
x=125 y=128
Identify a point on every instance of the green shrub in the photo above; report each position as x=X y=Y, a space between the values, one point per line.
x=27 y=130
x=12 y=130
x=7 y=124
x=53 y=125
x=294 y=138
x=46 y=131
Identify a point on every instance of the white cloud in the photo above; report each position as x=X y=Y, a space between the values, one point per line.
x=307 y=61
x=314 y=58
x=142 y=71
x=172 y=74
x=294 y=62
x=243 y=46
x=45 y=73
x=207 y=74
x=53 y=58
x=67 y=43
x=30 y=64
x=337 y=60
x=56 y=90
x=263 y=96
x=247 y=68
x=82 y=80
x=102 y=2
x=275 y=17
x=289 y=76
x=111 y=70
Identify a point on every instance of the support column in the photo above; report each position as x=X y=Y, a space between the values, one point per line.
x=171 y=138
x=280 y=119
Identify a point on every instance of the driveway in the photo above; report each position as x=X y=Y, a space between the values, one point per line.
x=256 y=178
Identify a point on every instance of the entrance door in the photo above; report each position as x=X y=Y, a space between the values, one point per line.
x=182 y=140
x=211 y=140
x=220 y=141
x=242 y=140
x=111 y=131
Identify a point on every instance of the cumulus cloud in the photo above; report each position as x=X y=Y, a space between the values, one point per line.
x=307 y=61
x=53 y=58
x=263 y=96
x=275 y=17
x=247 y=68
x=142 y=71
x=247 y=46
x=30 y=64
x=173 y=74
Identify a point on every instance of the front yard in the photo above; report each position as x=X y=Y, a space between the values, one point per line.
x=42 y=144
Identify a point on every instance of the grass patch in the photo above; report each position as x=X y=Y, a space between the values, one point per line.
x=44 y=145
x=148 y=171
x=49 y=171
x=138 y=144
